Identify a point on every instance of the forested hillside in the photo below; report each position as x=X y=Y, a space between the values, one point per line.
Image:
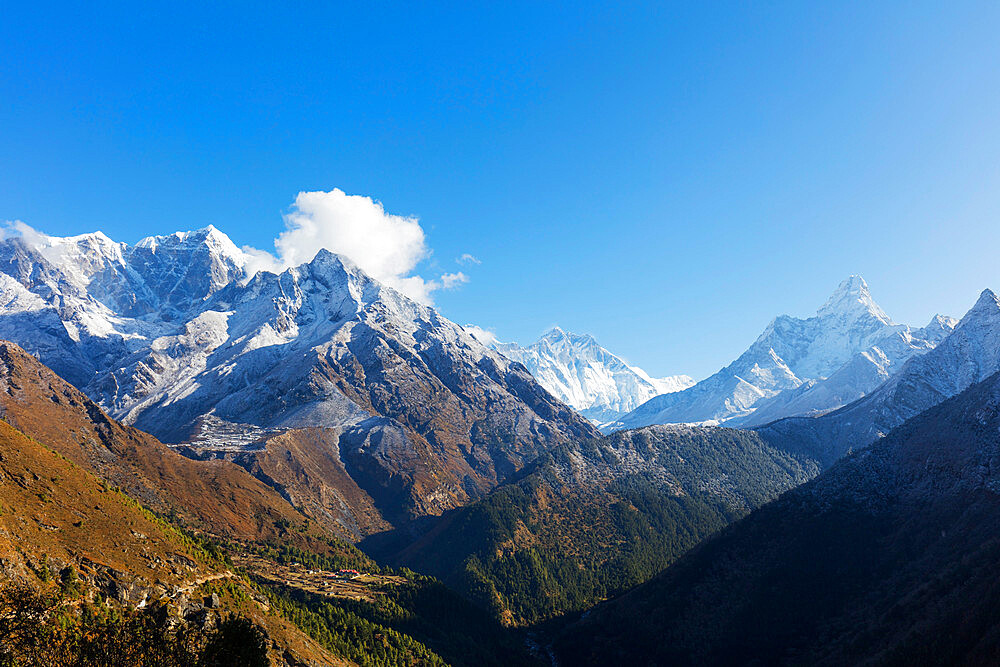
x=890 y=557
x=595 y=518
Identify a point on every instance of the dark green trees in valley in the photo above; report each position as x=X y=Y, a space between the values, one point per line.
x=592 y=519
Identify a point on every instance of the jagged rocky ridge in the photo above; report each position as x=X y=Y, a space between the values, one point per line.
x=178 y=336
x=578 y=371
x=800 y=366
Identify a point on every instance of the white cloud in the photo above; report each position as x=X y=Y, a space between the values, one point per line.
x=261 y=260
x=453 y=280
x=47 y=246
x=484 y=336
x=421 y=290
x=385 y=246
x=467 y=259
x=16 y=228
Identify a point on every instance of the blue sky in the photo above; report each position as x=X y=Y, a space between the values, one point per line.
x=665 y=176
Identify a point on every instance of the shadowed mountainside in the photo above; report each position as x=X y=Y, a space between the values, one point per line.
x=889 y=557
x=594 y=518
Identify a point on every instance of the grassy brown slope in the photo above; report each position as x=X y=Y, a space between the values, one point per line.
x=314 y=478
x=217 y=496
x=56 y=516
x=53 y=507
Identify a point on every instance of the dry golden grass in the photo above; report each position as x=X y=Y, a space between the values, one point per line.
x=218 y=497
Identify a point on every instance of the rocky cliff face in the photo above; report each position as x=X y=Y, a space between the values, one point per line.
x=175 y=336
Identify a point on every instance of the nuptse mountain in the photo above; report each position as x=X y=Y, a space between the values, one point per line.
x=361 y=406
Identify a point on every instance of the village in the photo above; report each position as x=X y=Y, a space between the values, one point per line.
x=347 y=584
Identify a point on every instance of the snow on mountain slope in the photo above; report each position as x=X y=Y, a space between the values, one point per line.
x=174 y=335
x=970 y=354
x=800 y=366
x=584 y=375
x=862 y=373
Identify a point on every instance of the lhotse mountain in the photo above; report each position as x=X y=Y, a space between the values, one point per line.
x=360 y=405
x=800 y=366
x=578 y=371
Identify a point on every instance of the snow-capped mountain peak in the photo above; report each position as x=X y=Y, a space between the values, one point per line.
x=555 y=332
x=939 y=327
x=209 y=236
x=852 y=299
x=206 y=241
x=79 y=256
x=801 y=366
x=984 y=310
x=184 y=268
x=577 y=370
x=566 y=343
x=970 y=353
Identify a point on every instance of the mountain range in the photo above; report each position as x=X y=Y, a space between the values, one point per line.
x=585 y=376
x=362 y=406
x=555 y=539
x=315 y=407
x=800 y=366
